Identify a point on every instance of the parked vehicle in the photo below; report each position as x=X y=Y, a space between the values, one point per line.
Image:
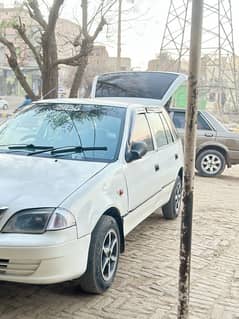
x=3 y=104
x=76 y=177
x=217 y=147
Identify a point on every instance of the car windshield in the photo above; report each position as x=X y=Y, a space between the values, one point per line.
x=65 y=125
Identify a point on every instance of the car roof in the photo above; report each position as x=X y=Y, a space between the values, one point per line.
x=98 y=101
x=118 y=72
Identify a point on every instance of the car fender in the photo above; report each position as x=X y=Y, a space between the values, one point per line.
x=107 y=190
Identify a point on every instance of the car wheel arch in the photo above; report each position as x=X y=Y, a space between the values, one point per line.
x=220 y=148
x=115 y=213
x=180 y=173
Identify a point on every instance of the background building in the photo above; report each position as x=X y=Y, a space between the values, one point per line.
x=66 y=33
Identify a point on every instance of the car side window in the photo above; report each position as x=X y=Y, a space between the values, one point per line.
x=168 y=132
x=141 y=131
x=179 y=119
x=158 y=129
x=202 y=124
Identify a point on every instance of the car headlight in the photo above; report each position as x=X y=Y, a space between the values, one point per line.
x=37 y=221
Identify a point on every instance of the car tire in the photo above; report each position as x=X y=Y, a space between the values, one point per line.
x=210 y=163
x=5 y=107
x=103 y=257
x=172 y=209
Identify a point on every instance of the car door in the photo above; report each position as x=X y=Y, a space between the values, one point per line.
x=205 y=133
x=169 y=152
x=141 y=176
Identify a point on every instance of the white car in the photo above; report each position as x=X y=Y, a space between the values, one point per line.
x=3 y=104
x=76 y=177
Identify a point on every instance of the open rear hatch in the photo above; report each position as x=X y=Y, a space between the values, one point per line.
x=138 y=87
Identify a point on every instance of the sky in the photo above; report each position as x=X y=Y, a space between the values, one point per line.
x=141 y=37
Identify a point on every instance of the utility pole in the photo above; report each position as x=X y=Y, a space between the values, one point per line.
x=119 y=35
x=189 y=162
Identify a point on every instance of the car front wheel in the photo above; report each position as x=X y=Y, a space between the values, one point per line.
x=210 y=163
x=103 y=256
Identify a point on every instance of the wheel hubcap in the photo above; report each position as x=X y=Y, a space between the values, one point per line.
x=109 y=256
x=211 y=164
x=178 y=197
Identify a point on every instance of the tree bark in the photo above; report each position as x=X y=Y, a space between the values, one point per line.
x=189 y=160
x=86 y=48
x=49 y=69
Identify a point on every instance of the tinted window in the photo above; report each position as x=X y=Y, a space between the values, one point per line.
x=151 y=85
x=202 y=124
x=158 y=129
x=167 y=130
x=179 y=121
x=141 y=131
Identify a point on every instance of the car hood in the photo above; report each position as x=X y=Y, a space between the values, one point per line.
x=28 y=182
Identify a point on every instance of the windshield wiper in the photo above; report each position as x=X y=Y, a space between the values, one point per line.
x=69 y=149
x=30 y=147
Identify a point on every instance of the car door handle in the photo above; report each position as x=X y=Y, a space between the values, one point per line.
x=156 y=167
x=208 y=134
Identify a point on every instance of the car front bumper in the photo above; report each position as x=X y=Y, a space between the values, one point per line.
x=47 y=259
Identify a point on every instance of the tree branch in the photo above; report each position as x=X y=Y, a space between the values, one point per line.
x=35 y=13
x=99 y=28
x=54 y=14
x=12 y=60
x=88 y=40
x=86 y=47
x=21 y=29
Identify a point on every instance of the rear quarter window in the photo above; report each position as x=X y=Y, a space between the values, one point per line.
x=179 y=120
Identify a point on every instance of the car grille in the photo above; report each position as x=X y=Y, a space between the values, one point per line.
x=16 y=267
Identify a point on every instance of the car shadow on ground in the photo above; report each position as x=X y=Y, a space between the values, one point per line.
x=229 y=178
x=221 y=177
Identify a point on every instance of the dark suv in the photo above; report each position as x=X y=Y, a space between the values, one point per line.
x=216 y=146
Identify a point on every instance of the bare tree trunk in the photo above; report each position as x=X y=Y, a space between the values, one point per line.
x=86 y=48
x=78 y=78
x=50 y=68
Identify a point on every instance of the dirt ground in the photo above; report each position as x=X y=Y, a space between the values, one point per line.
x=146 y=283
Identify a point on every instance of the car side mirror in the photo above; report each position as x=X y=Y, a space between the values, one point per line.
x=137 y=151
